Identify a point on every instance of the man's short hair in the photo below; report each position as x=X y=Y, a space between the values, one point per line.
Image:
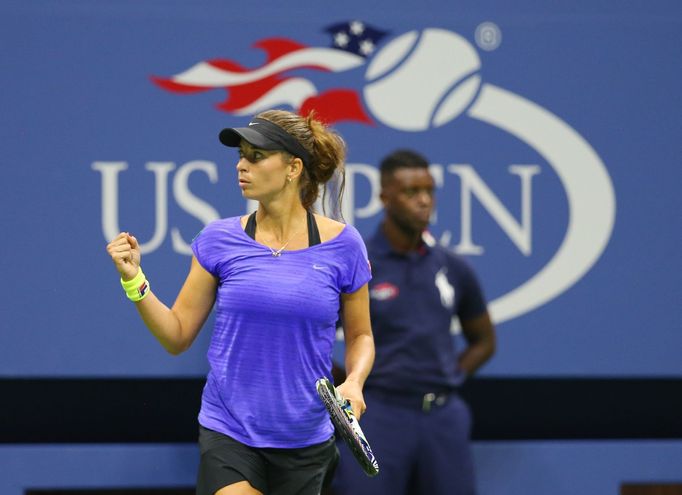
x=402 y=158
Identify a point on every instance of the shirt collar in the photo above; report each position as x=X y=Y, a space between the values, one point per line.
x=379 y=243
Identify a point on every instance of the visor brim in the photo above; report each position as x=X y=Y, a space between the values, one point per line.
x=232 y=137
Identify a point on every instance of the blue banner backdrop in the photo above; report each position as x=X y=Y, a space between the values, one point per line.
x=553 y=133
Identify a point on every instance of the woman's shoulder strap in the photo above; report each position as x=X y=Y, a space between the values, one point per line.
x=250 y=228
x=313 y=231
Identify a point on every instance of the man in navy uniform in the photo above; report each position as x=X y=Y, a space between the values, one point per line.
x=418 y=426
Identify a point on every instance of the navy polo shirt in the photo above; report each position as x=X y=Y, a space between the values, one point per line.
x=413 y=297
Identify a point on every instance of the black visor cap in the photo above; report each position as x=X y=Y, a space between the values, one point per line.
x=265 y=135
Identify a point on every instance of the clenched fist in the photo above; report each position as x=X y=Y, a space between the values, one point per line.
x=125 y=253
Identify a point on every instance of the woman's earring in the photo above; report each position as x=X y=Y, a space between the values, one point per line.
x=289 y=179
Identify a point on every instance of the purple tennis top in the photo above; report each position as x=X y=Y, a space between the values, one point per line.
x=274 y=330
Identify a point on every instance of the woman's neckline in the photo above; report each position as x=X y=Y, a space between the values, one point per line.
x=266 y=247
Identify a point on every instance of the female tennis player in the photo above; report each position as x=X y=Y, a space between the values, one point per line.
x=279 y=277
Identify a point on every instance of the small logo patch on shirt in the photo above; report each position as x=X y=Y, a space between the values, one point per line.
x=384 y=291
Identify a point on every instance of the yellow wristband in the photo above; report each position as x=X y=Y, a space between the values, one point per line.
x=137 y=288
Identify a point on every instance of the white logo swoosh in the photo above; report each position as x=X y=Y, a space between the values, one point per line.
x=591 y=198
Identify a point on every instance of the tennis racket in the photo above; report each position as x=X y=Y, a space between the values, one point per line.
x=347 y=426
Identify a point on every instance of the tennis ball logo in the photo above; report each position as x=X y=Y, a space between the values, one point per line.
x=422 y=80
